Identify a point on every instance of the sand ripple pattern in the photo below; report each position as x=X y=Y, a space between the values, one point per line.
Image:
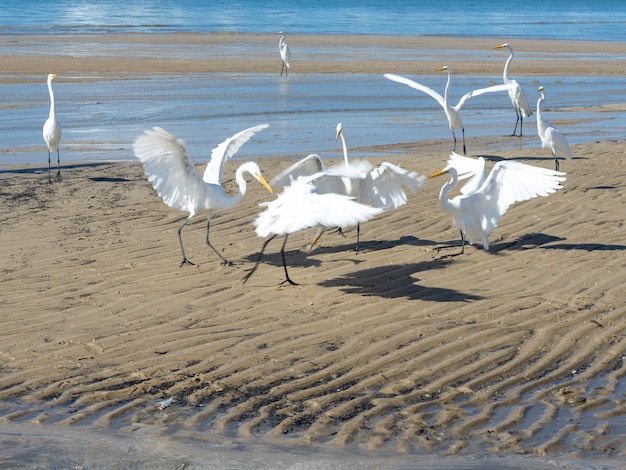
x=516 y=350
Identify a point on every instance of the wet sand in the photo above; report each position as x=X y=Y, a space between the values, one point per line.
x=392 y=353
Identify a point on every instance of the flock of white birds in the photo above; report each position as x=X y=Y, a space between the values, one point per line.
x=352 y=192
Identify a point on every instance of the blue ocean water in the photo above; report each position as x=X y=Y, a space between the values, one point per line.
x=603 y=20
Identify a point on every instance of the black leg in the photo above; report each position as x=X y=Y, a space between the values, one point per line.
x=58 y=177
x=556 y=162
x=185 y=261
x=517 y=114
x=224 y=262
x=251 y=272
x=49 y=180
x=358 y=238
x=463 y=131
x=282 y=253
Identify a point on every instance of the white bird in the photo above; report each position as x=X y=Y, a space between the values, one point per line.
x=301 y=206
x=174 y=177
x=452 y=112
x=285 y=54
x=516 y=93
x=52 y=131
x=381 y=187
x=551 y=137
x=478 y=211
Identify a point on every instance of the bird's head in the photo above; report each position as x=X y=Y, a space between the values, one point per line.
x=502 y=46
x=440 y=173
x=540 y=89
x=339 y=131
x=51 y=76
x=443 y=69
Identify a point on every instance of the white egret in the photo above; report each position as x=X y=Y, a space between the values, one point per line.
x=478 y=211
x=551 y=137
x=516 y=93
x=452 y=112
x=301 y=206
x=174 y=177
x=52 y=131
x=285 y=54
x=381 y=186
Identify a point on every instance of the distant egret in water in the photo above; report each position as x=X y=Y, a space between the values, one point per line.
x=174 y=177
x=381 y=186
x=52 y=131
x=477 y=211
x=551 y=137
x=516 y=93
x=301 y=206
x=285 y=54
x=452 y=112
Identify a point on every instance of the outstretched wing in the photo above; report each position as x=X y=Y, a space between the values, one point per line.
x=510 y=182
x=224 y=151
x=384 y=186
x=481 y=91
x=416 y=86
x=309 y=165
x=169 y=168
x=300 y=207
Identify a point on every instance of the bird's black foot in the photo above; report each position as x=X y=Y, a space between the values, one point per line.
x=58 y=177
x=290 y=282
x=186 y=262
x=226 y=263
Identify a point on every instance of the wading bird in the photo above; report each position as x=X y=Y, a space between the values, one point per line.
x=52 y=131
x=477 y=211
x=299 y=207
x=381 y=187
x=285 y=54
x=551 y=137
x=516 y=93
x=452 y=112
x=174 y=177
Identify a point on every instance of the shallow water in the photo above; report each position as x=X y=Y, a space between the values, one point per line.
x=100 y=119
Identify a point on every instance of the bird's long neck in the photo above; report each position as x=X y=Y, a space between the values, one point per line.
x=241 y=182
x=445 y=93
x=281 y=41
x=505 y=74
x=345 y=150
x=540 y=121
x=52 y=113
x=446 y=188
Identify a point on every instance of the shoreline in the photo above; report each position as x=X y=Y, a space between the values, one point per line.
x=312 y=54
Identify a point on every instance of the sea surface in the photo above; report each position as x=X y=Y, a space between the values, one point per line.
x=600 y=20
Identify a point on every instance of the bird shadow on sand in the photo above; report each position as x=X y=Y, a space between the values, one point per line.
x=546 y=159
x=398 y=281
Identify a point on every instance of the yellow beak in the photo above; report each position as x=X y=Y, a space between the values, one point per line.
x=265 y=183
x=439 y=173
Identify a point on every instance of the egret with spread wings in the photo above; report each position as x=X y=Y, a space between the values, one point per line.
x=478 y=209
x=382 y=187
x=453 y=113
x=174 y=177
x=301 y=206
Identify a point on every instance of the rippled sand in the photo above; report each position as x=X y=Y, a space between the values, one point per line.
x=390 y=353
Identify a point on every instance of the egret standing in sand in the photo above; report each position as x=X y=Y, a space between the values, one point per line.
x=551 y=137
x=452 y=112
x=477 y=211
x=52 y=131
x=174 y=177
x=516 y=93
x=301 y=206
x=285 y=54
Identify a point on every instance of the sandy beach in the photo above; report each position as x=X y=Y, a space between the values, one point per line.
x=388 y=353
